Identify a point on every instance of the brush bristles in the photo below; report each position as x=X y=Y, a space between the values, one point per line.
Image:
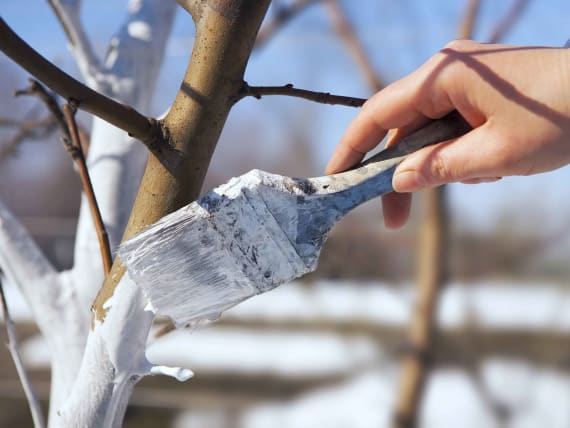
x=212 y=254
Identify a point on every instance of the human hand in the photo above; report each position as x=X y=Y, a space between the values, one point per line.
x=517 y=99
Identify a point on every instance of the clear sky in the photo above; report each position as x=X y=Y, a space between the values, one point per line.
x=398 y=34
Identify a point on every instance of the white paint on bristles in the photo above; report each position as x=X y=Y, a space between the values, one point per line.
x=214 y=253
x=243 y=238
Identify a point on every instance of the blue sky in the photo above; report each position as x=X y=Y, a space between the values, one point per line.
x=398 y=34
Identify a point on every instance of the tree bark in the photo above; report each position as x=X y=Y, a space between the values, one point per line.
x=225 y=34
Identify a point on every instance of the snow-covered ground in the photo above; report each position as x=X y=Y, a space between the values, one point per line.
x=525 y=395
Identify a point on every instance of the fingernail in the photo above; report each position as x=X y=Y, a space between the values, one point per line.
x=332 y=165
x=408 y=181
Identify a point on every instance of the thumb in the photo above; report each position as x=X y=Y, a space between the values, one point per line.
x=468 y=158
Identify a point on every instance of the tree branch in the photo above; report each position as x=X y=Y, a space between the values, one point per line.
x=72 y=142
x=31 y=129
x=224 y=39
x=50 y=101
x=116 y=162
x=75 y=150
x=145 y=129
x=506 y=24
x=67 y=13
x=467 y=25
x=347 y=34
x=13 y=347
x=288 y=90
x=20 y=257
x=193 y=7
x=281 y=17
x=8 y=122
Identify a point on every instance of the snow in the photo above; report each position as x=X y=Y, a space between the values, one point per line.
x=493 y=304
x=284 y=354
x=452 y=400
x=327 y=301
x=367 y=376
x=365 y=401
x=360 y=403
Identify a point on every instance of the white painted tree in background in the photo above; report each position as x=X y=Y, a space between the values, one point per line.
x=95 y=392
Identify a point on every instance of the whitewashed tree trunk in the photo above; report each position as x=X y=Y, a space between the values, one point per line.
x=92 y=377
x=97 y=360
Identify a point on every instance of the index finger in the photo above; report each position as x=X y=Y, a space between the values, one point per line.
x=386 y=110
x=405 y=103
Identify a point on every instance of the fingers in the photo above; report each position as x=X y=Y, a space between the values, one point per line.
x=396 y=208
x=406 y=104
x=475 y=157
x=481 y=180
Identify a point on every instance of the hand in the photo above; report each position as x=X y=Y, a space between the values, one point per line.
x=517 y=99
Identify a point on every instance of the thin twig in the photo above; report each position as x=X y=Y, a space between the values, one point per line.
x=13 y=347
x=68 y=15
x=145 y=129
x=506 y=24
x=8 y=122
x=347 y=34
x=75 y=150
x=291 y=91
x=36 y=89
x=49 y=99
x=467 y=26
x=281 y=17
x=31 y=129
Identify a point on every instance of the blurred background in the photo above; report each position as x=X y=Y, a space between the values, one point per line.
x=327 y=351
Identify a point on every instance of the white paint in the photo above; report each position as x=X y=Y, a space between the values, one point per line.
x=92 y=375
x=329 y=302
x=177 y=373
x=274 y=353
x=140 y=30
x=114 y=361
x=68 y=12
x=214 y=253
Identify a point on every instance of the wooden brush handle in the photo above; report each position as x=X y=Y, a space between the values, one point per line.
x=376 y=172
x=448 y=127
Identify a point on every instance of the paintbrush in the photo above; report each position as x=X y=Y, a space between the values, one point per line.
x=257 y=231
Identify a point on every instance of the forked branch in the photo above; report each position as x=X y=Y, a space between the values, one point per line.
x=145 y=129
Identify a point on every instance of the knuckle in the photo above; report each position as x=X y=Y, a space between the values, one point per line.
x=440 y=171
x=460 y=45
x=367 y=105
